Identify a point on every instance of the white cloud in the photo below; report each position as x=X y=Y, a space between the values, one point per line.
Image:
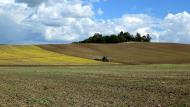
x=72 y=20
x=3 y=2
x=100 y=11
x=58 y=34
x=176 y=28
x=31 y=3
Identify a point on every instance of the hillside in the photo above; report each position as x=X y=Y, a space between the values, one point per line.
x=82 y=54
x=128 y=53
x=33 y=55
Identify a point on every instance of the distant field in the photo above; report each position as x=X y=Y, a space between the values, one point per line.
x=103 y=85
x=128 y=53
x=84 y=54
x=33 y=55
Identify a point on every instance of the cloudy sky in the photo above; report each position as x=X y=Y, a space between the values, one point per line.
x=65 y=21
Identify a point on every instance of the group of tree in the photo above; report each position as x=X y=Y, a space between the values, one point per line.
x=117 y=38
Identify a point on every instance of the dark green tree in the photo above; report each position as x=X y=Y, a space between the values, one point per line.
x=121 y=37
x=114 y=39
x=138 y=37
x=128 y=37
x=148 y=38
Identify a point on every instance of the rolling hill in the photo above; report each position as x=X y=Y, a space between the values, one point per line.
x=127 y=53
x=83 y=54
x=33 y=55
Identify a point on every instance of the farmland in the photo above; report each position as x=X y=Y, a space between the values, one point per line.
x=97 y=85
x=138 y=75
x=33 y=55
x=84 y=54
x=128 y=53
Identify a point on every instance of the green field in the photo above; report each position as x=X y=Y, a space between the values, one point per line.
x=98 y=85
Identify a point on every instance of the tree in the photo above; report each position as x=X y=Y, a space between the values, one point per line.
x=144 y=38
x=107 y=39
x=138 y=37
x=97 y=38
x=128 y=37
x=114 y=39
x=148 y=38
x=121 y=37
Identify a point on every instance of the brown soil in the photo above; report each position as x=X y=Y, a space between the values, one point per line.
x=128 y=53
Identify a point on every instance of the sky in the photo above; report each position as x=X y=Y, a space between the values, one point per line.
x=66 y=21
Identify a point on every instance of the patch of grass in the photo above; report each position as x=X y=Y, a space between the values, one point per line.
x=42 y=101
x=103 y=85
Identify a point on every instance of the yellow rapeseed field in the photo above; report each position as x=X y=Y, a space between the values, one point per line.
x=33 y=55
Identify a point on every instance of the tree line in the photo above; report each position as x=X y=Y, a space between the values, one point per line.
x=117 y=38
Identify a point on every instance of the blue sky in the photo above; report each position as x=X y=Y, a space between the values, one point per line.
x=156 y=8
x=65 y=21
